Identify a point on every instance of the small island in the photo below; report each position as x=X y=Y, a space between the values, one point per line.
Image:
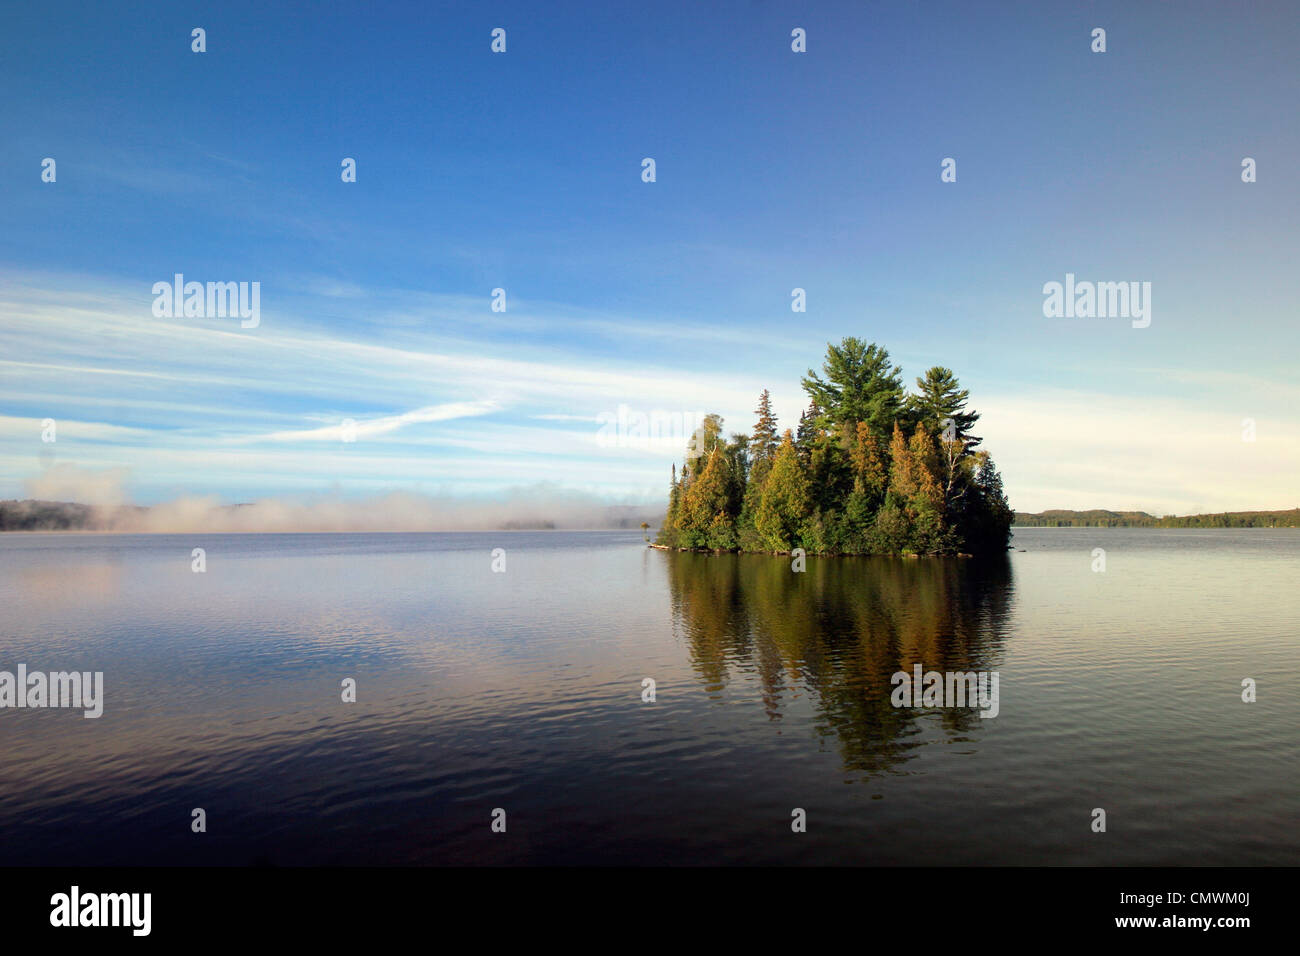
x=871 y=469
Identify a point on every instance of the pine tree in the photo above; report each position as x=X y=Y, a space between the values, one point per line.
x=763 y=443
x=803 y=436
x=989 y=515
x=870 y=473
x=722 y=533
x=902 y=472
x=924 y=453
x=830 y=473
x=706 y=499
x=747 y=534
x=941 y=399
x=860 y=386
x=785 y=499
x=668 y=534
x=707 y=437
x=738 y=469
x=926 y=507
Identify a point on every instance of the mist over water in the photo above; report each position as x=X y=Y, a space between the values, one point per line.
x=540 y=505
x=522 y=690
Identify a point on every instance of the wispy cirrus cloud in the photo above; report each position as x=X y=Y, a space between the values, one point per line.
x=374 y=427
x=360 y=407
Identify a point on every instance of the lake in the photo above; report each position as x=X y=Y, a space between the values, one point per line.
x=522 y=690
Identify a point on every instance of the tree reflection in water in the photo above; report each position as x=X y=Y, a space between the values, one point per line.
x=838 y=631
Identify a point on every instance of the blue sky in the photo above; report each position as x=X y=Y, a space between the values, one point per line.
x=522 y=171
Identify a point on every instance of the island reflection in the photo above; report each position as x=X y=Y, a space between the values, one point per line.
x=838 y=631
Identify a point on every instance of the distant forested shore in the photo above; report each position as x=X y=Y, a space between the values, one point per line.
x=1140 y=519
x=34 y=515
x=37 y=515
x=870 y=469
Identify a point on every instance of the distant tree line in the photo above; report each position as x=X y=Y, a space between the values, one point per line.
x=1140 y=519
x=870 y=469
x=30 y=515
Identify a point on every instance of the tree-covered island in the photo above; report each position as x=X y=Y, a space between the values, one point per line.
x=871 y=469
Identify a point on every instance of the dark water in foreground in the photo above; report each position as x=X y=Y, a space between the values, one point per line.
x=522 y=690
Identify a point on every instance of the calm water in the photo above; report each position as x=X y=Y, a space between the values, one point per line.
x=522 y=690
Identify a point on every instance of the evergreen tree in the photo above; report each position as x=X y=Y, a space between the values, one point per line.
x=939 y=399
x=989 y=515
x=706 y=499
x=738 y=467
x=891 y=531
x=668 y=535
x=830 y=473
x=926 y=507
x=722 y=533
x=914 y=492
x=860 y=386
x=924 y=453
x=903 y=482
x=747 y=536
x=785 y=499
x=707 y=437
x=870 y=471
x=803 y=436
x=763 y=443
